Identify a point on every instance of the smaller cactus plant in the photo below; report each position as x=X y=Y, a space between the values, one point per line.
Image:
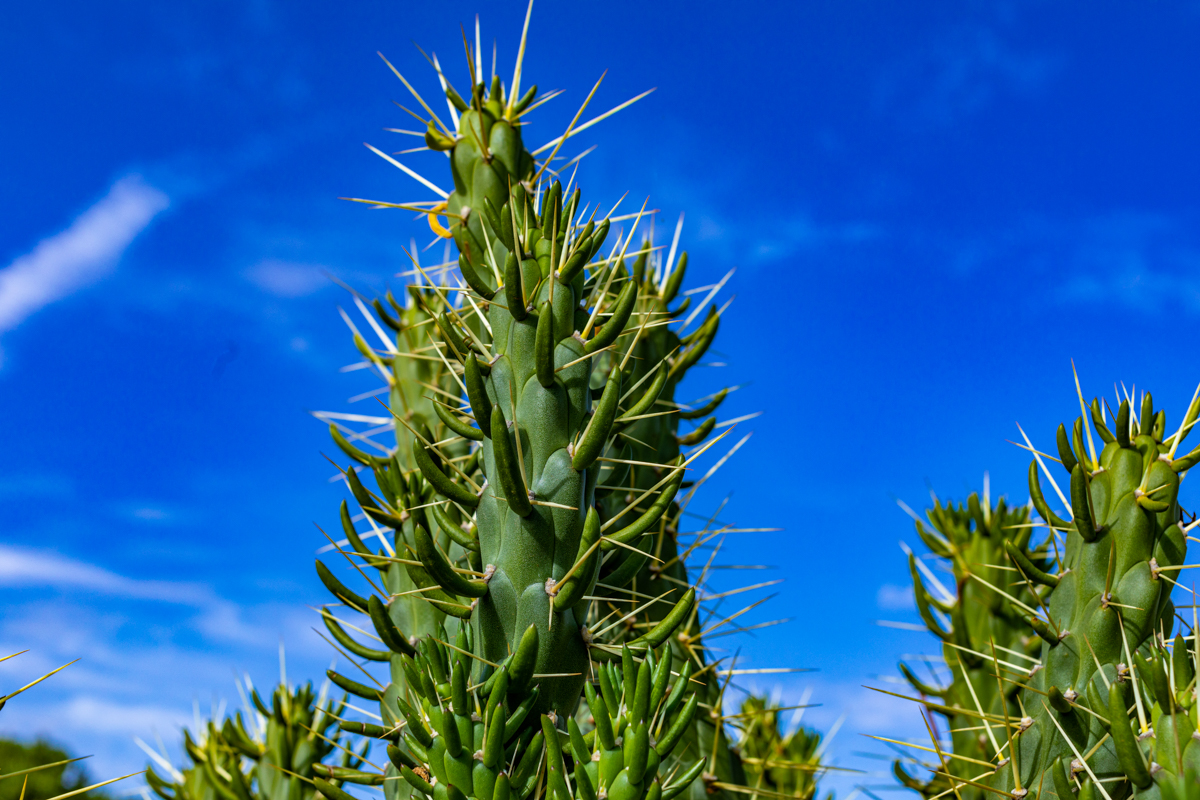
x=985 y=609
x=1107 y=707
x=275 y=752
x=777 y=764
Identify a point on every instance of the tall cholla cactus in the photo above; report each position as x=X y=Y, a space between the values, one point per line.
x=504 y=677
x=273 y=754
x=985 y=610
x=777 y=764
x=551 y=466
x=1109 y=710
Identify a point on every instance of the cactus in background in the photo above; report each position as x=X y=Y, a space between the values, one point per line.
x=1093 y=700
x=985 y=609
x=777 y=764
x=276 y=752
x=1109 y=708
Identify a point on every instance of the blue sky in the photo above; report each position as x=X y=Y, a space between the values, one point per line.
x=932 y=209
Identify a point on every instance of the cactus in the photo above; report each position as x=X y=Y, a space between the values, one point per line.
x=777 y=764
x=559 y=424
x=984 y=610
x=524 y=544
x=1109 y=709
x=275 y=753
x=1105 y=611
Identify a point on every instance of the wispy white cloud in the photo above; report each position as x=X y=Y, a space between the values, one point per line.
x=287 y=279
x=123 y=719
x=80 y=255
x=218 y=619
x=26 y=567
x=139 y=672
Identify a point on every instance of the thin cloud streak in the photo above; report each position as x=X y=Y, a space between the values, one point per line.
x=80 y=255
x=25 y=567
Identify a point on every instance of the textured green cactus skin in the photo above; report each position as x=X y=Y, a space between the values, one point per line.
x=972 y=538
x=1109 y=602
x=232 y=763
x=786 y=765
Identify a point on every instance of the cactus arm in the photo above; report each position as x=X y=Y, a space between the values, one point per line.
x=353 y=452
x=440 y=480
x=453 y=529
x=441 y=569
x=616 y=323
x=595 y=435
x=1039 y=500
x=348 y=642
x=338 y=588
x=707 y=408
x=652 y=515
x=455 y=424
x=509 y=473
x=648 y=398
x=1027 y=568
x=919 y=685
